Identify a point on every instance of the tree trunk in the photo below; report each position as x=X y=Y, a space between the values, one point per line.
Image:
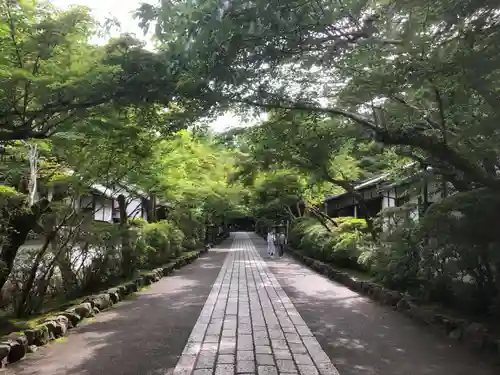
x=127 y=251
x=152 y=197
x=33 y=161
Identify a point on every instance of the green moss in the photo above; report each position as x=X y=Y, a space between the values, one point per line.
x=60 y=340
x=10 y=192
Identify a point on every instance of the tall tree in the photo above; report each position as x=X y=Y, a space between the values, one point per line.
x=421 y=75
x=52 y=77
x=311 y=145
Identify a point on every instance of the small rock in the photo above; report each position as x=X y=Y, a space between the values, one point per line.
x=139 y=281
x=456 y=334
x=32 y=348
x=353 y=284
x=61 y=329
x=73 y=317
x=391 y=297
x=159 y=272
x=376 y=292
x=17 y=351
x=122 y=290
x=113 y=294
x=31 y=336
x=38 y=336
x=475 y=335
x=90 y=300
x=20 y=338
x=4 y=351
x=103 y=302
x=131 y=287
x=61 y=319
x=52 y=327
x=84 y=309
x=96 y=310
x=421 y=314
x=404 y=304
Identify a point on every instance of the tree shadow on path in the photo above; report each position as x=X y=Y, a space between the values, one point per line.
x=362 y=337
x=141 y=336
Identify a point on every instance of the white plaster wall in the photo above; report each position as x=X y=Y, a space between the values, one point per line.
x=414 y=212
x=134 y=208
x=103 y=209
x=389 y=198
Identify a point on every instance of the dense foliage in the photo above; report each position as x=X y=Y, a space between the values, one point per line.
x=99 y=176
x=342 y=82
x=350 y=90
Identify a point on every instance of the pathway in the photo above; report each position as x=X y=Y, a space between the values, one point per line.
x=249 y=324
x=234 y=311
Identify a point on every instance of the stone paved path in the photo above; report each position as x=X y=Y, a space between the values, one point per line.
x=248 y=324
x=235 y=311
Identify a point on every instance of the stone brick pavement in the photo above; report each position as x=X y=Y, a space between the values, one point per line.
x=249 y=325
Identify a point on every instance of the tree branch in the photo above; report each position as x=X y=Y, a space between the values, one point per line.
x=402 y=137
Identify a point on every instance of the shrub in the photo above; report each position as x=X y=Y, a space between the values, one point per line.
x=451 y=255
x=101 y=243
x=163 y=241
x=342 y=245
x=462 y=249
x=395 y=261
x=192 y=226
x=137 y=222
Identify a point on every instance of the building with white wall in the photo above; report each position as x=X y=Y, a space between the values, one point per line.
x=103 y=203
x=380 y=194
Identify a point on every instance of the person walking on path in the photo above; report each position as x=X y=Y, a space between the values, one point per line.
x=271 y=238
x=281 y=242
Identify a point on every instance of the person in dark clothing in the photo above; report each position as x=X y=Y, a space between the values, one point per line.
x=281 y=241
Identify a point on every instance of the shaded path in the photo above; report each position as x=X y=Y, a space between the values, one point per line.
x=248 y=325
x=141 y=336
x=248 y=309
x=364 y=338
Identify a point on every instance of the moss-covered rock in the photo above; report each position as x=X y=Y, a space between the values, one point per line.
x=73 y=317
x=52 y=327
x=18 y=344
x=4 y=352
x=131 y=287
x=38 y=336
x=84 y=309
x=114 y=295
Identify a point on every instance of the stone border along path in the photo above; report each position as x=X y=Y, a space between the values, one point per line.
x=248 y=324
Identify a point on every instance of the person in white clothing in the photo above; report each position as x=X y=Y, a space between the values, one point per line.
x=270 y=242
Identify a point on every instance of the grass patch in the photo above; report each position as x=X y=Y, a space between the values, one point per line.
x=14 y=325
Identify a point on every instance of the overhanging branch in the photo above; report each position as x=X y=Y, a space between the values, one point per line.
x=403 y=137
